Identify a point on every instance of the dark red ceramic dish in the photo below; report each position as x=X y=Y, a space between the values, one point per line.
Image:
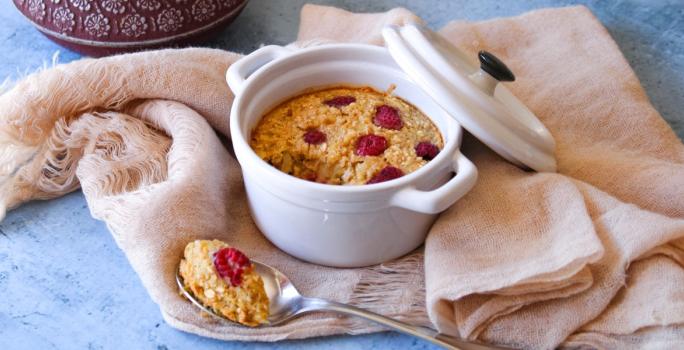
x=104 y=27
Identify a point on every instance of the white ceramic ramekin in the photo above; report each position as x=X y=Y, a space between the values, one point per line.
x=343 y=226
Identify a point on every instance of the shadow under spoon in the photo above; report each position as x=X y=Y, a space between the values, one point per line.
x=286 y=304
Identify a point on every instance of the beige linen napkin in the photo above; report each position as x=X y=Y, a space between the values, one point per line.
x=590 y=256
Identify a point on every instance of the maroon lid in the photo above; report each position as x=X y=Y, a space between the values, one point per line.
x=108 y=26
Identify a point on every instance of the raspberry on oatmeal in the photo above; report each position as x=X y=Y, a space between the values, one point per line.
x=345 y=136
x=427 y=150
x=388 y=118
x=370 y=145
x=386 y=174
x=314 y=137
x=340 y=101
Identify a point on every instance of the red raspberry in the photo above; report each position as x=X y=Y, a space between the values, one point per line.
x=427 y=150
x=387 y=173
x=388 y=117
x=314 y=137
x=230 y=264
x=340 y=101
x=370 y=145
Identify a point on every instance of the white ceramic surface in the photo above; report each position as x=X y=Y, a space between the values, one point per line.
x=483 y=106
x=344 y=226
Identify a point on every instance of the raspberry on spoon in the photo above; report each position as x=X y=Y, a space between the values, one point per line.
x=230 y=264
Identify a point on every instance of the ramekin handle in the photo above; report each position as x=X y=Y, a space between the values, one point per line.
x=441 y=198
x=240 y=71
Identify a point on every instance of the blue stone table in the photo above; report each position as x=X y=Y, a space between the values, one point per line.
x=66 y=285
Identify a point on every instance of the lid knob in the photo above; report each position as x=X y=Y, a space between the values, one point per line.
x=494 y=66
x=492 y=72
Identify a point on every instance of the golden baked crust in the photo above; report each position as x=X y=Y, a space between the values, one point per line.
x=279 y=136
x=247 y=303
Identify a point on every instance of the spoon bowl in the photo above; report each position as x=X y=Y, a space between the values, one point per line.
x=283 y=296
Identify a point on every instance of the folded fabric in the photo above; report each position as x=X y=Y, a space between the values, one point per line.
x=591 y=256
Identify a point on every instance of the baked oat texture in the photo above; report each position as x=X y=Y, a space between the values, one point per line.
x=279 y=136
x=247 y=303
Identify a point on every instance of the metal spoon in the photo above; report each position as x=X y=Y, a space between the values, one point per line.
x=287 y=303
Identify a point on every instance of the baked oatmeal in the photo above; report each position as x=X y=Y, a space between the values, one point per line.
x=346 y=136
x=223 y=278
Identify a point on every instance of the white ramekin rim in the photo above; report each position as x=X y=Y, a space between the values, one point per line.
x=248 y=158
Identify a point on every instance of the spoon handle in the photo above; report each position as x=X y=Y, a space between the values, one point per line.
x=428 y=334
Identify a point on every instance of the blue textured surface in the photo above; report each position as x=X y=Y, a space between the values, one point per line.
x=66 y=285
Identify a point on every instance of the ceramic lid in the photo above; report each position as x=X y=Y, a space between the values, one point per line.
x=473 y=95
